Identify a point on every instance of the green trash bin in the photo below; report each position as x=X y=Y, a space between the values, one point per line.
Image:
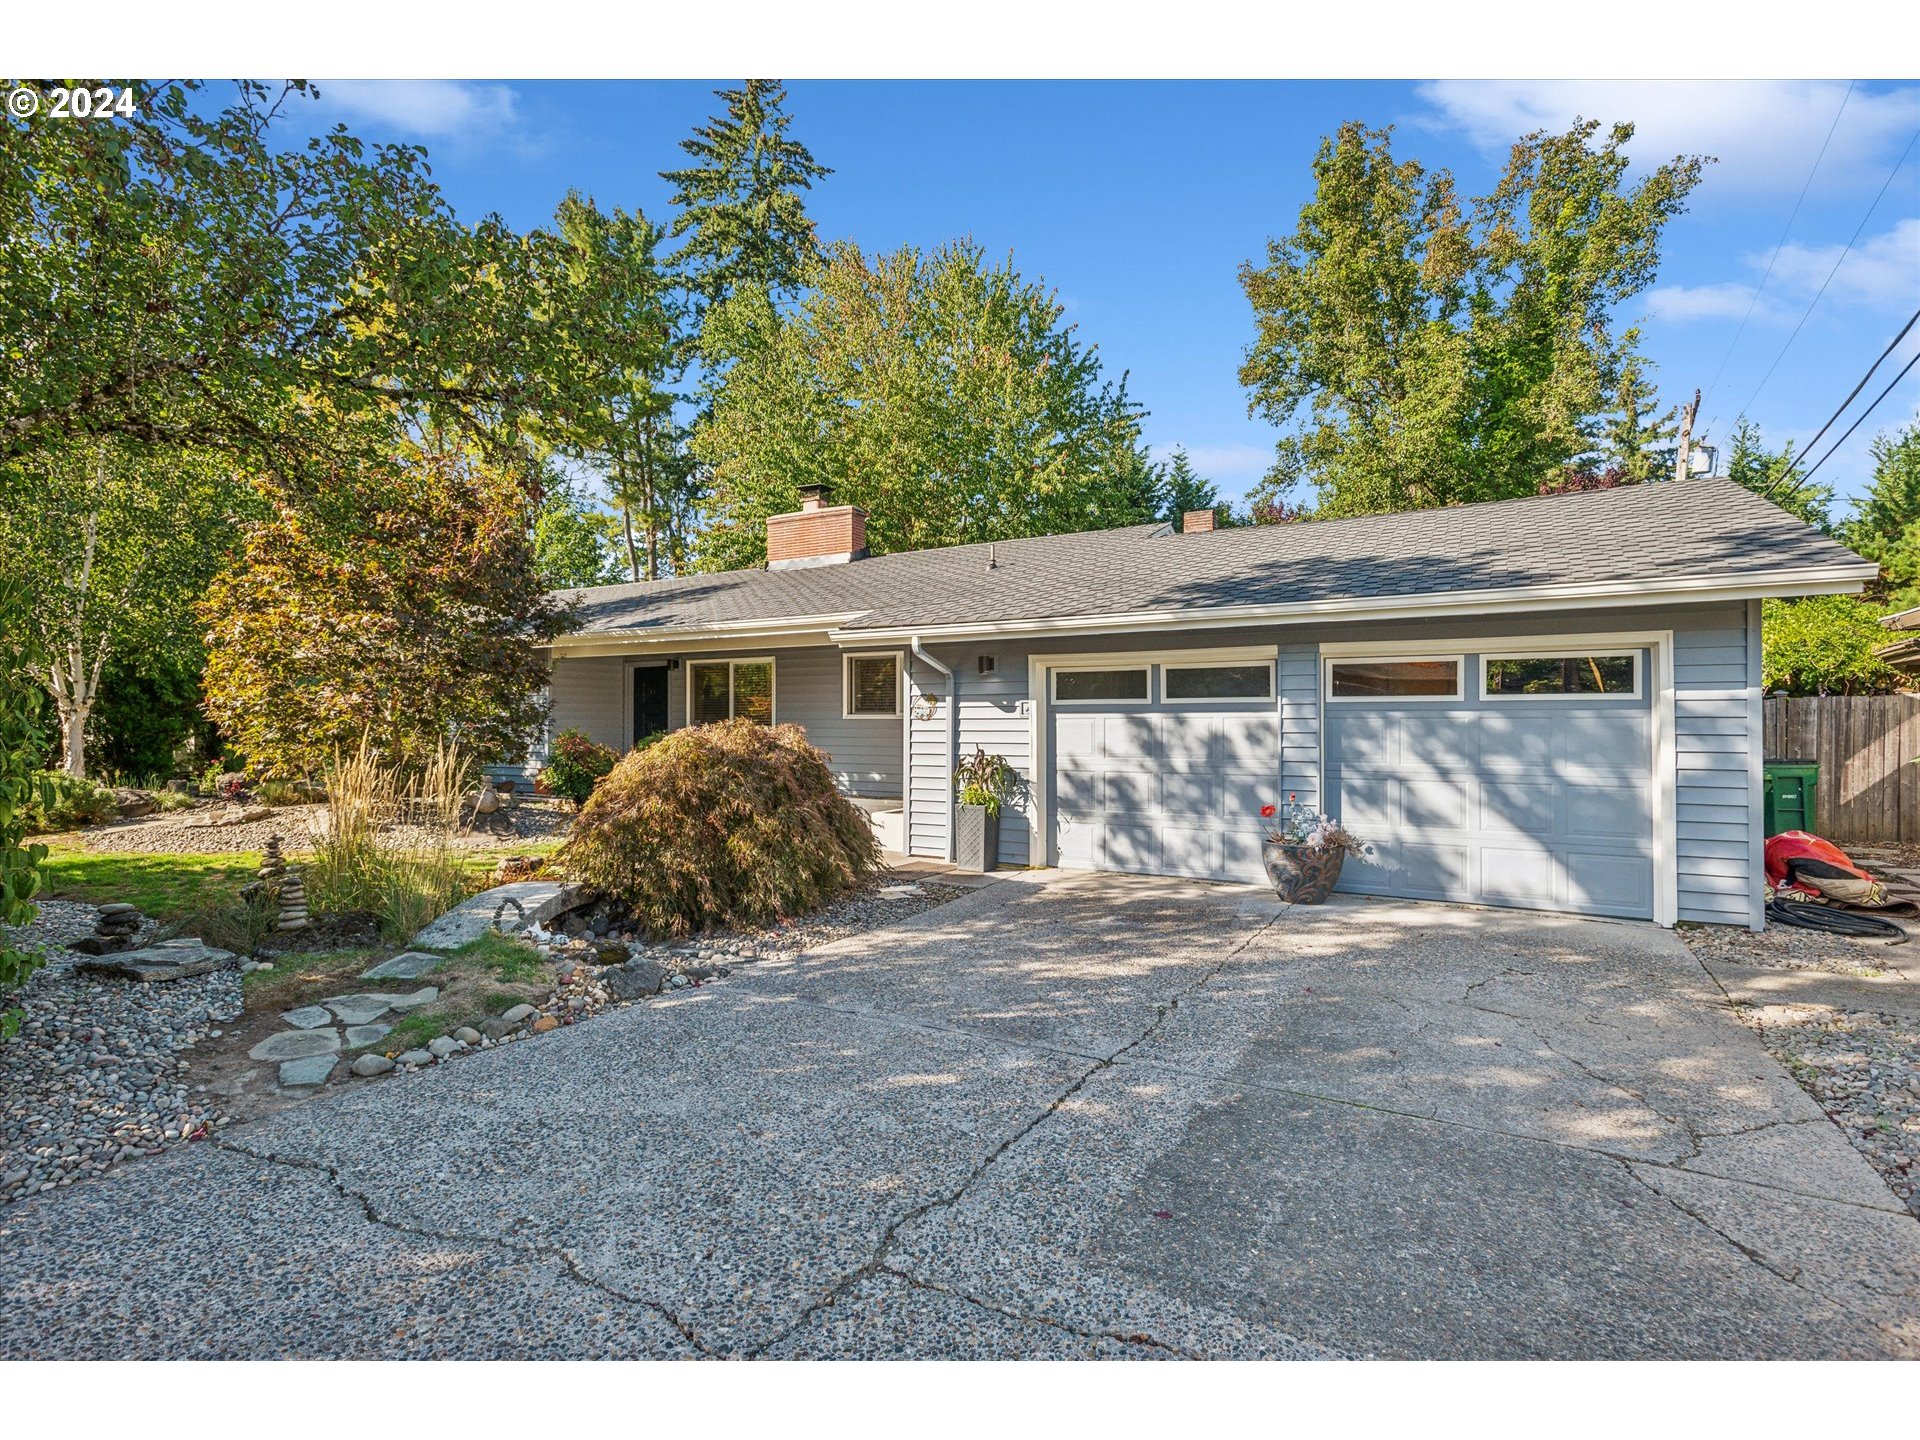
x=1788 y=791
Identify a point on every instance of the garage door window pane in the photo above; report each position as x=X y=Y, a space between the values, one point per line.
x=1561 y=675
x=1387 y=679
x=1219 y=682
x=1072 y=685
x=710 y=694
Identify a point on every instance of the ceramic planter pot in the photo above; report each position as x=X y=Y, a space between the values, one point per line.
x=976 y=839
x=1300 y=874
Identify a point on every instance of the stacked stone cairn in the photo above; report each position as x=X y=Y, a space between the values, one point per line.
x=113 y=930
x=286 y=887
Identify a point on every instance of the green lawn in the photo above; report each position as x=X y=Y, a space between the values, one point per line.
x=167 y=887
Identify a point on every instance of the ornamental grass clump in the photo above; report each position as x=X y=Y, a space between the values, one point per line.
x=730 y=825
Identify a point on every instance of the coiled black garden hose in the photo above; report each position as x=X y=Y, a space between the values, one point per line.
x=1834 y=922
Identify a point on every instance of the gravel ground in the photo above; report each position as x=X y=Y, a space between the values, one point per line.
x=95 y=1075
x=1783 y=947
x=1864 y=1070
x=174 y=834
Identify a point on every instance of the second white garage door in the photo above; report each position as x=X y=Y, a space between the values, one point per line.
x=1161 y=769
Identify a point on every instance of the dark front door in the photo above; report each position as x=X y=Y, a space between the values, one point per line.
x=649 y=701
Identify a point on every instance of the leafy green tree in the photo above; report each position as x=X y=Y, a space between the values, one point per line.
x=1887 y=528
x=944 y=395
x=624 y=304
x=1824 y=645
x=21 y=865
x=116 y=544
x=742 y=204
x=408 y=612
x=192 y=277
x=149 y=705
x=572 y=544
x=1750 y=462
x=1428 y=353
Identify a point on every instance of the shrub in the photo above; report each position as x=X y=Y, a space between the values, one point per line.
x=62 y=802
x=367 y=860
x=575 y=765
x=735 y=824
x=22 y=866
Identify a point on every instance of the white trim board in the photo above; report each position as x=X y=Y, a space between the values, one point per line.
x=1840 y=580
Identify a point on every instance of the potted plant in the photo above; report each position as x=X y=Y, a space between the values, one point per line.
x=982 y=784
x=1303 y=851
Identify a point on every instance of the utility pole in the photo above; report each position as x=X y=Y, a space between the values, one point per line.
x=1685 y=457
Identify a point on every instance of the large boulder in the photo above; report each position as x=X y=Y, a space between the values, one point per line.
x=633 y=980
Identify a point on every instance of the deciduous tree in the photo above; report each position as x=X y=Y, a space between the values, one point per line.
x=1425 y=352
x=945 y=395
x=407 y=610
x=116 y=543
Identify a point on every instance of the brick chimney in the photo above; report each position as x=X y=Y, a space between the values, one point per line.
x=817 y=533
x=1194 y=521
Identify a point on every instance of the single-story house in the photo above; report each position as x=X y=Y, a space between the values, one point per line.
x=1550 y=703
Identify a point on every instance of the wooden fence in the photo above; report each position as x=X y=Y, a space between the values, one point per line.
x=1866 y=746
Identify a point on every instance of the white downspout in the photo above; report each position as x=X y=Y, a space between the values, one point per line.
x=953 y=731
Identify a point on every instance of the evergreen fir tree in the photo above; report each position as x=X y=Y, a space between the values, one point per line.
x=742 y=209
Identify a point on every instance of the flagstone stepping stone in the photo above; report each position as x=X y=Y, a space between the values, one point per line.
x=509 y=909
x=425 y=995
x=169 y=960
x=358 y=1035
x=313 y=1070
x=308 y=1017
x=359 y=1009
x=296 y=1045
x=410 y=966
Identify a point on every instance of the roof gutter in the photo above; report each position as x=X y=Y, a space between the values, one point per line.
x=1826 y=580
x=953 y=734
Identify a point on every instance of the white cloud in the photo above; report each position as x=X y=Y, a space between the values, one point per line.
x=1765 y=133
x=1727 y=300
x=1883 y=270
x=427 y=109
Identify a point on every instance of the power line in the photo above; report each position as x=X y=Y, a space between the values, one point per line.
x=1747 y=408
x=1781 y=244
x=1915 y=360
x=1911 y=319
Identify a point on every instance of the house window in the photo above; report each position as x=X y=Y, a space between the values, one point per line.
x=1217 y=682
x=1084 y=687
x=1534 y=675
x=725 y=689
x=872 y=687
x=1394 y=679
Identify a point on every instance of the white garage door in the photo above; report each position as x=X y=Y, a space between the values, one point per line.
x=1161 y=768
x=1499 y=780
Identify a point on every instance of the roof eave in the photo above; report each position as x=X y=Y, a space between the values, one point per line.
x=1821 y=580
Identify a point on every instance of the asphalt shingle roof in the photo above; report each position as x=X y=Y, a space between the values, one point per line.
x=1697 y=528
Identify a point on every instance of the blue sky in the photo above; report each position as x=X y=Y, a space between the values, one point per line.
x=1138 y=201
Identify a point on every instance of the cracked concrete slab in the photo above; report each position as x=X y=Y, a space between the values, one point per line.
x=740 y=1179
x=216 y=1255
x=1061 y=1116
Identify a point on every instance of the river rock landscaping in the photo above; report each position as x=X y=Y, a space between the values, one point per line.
x=1864 y=1070
x=98 y=1071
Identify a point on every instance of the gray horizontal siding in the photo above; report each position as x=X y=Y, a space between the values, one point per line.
x=595 y=696
x=928 y=782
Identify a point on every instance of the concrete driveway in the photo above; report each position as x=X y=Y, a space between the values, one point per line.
x=1060 y=1117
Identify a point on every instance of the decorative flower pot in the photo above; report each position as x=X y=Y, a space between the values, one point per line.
x=1300 y=874
x=976 y=839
